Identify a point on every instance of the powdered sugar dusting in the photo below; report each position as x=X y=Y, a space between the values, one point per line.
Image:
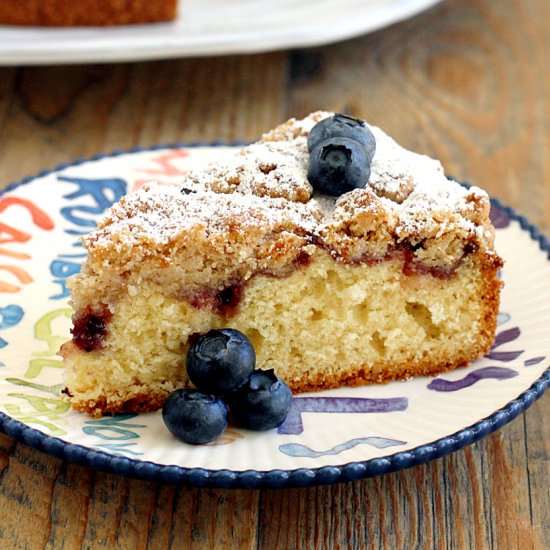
x=162 y=214
x=263 y=188
x=417 y=188
x=272 y=169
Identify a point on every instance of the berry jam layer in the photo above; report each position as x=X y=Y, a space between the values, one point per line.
x=90 y=329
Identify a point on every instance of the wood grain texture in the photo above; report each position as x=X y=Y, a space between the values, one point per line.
x=91 y=109
x=467 y=82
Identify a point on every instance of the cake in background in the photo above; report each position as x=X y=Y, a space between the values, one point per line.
x=77 y=13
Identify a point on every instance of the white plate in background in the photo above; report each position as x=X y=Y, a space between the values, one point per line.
x=208 y=27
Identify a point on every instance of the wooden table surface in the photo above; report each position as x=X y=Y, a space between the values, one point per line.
x=467 y=82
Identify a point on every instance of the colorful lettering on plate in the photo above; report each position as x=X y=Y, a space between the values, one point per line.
x=87 y=202
x=293 y=423
x=495 y=373
x=54 y=390
x=102 y=193
x=299 y=450
x=501 y=338
x=11 y=235
x=499 y=217
x=534 y=361
x=39 y=411
x=35 y=409
x=226 y=438
x=10 y=316
x=162 y=169
x=115 y=429
x=44 y=332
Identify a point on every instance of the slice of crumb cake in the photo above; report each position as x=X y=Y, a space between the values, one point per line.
x=392 y=280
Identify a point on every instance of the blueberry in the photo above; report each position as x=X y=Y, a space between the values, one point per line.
x=337 y=166
x=343 y=126
x=194 y=417
x=220 y=361
x=261 y=404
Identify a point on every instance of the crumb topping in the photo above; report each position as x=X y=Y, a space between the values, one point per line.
x=256 y=212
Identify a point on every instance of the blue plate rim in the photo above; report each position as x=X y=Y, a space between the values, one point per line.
x=257 y=479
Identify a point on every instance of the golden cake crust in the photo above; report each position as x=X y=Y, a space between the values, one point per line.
x=67 y=13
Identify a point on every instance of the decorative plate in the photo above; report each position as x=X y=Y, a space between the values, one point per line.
x=329 y=436
x=208 y=27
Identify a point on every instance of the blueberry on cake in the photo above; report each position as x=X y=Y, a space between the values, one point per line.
x=344 y=258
